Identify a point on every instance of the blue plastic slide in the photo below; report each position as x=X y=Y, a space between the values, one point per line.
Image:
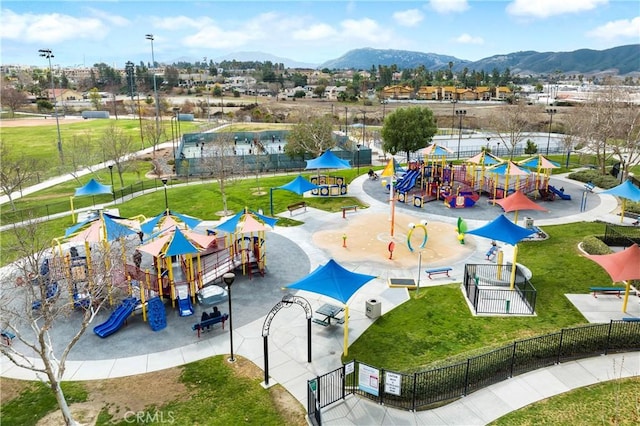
x=117 y=318
x=559 y=193
x=184 y=302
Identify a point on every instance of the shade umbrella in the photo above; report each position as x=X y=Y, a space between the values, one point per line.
x=168 y=220
x=299 y=186
x=328 y=160
x=506 y=169
x=483 y=159
x=333 y=280
x=626 y=191
x=621 y=266
x=502 y=229
x=541 y=164
x=518 y=201
x=93 y=187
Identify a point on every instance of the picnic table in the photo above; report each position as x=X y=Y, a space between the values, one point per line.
x=329 y=311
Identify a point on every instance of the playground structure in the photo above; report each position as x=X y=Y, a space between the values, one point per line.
x=461 y=185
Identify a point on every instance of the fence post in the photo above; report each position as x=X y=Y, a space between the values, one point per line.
x=414 y=390
x=513 y=359
x=344 y=378
x=466 y=378
x=381 y=391
x=560 y=346
x=606 y=347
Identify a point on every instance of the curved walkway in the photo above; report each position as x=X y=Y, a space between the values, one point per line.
x=287 y=346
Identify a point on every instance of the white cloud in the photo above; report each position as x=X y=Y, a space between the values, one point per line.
x=314 y=32
x=468 y=39
x=365 y=29
x=174 y=23
x=115 y=20
x=449 y=6
x=621 y=29
x=49 y=28
x=408 y=18
x=548 y=8
x=215 y=38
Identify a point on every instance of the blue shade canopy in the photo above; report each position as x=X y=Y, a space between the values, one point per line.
x=180 y=245
x=299 y=185
x=231 y=225
x=334 y=281
x=114 y=229
x=327 y=160
x=625 y=190
x=150 y=224
x=93 y=187
x=502 y=229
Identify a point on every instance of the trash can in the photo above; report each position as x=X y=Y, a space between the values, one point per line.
x=528 y=223
x=373 y=308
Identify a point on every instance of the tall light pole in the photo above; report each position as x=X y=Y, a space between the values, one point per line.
x=460 y=113
x=622 y=166
x=113 y=191
x=550 y=111
x=166 y=200
x=453 y=115
x=346 y=122
x=228 y=279
x=358 y=158
x=155 y=86
x=364 y=124
x=130 y=70
x=46 y=53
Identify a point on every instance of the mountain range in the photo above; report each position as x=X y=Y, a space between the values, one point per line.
x=621 y=60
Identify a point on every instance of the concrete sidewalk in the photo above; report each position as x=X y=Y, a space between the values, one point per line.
x=288 y=337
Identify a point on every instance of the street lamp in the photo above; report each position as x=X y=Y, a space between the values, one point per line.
x=358 y=158
x=166 y=200
x=460 y=113
x=498 y=150
x=364 y=123
x=155 y=86
x=622 y=165
x=453 y=116
x=46 y=53
x=550 y=111
x=19 y=180
x=488 y=140
x=228 y=279
x=346 y=122
x=113 y=192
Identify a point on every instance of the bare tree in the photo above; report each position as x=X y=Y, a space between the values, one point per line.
x=117 y=147
x=312 y=134
x=42 y=293
x=12 y=98
x=81 y=152
x=15 y=171
x=153 y=134
x=510 y=124
x=219 y=160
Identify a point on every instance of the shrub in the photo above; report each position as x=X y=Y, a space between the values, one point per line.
x=594 y=176
x=593 y=245
x=531 y=148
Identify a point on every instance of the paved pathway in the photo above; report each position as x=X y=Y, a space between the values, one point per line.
x=287 y=345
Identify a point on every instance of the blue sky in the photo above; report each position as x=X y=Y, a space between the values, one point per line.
x=87 y=32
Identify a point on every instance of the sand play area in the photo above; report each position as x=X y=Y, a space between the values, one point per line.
x=369 y=235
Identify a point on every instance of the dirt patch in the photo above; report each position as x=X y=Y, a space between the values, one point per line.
x=29 y=122
x=12 y=388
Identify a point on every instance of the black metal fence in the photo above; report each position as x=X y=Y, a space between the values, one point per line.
x=488 y=289
x=423 y=390
x=621 y=236
x=48 y=211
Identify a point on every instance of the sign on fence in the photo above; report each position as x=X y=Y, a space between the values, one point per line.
x=392 y=383
x=368 y=379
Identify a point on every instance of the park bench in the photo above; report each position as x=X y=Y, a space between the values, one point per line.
x=345 y=209
x=437 y=271
x=631 y=319
x=607 y=290
x=296 y=206
x=206 y=324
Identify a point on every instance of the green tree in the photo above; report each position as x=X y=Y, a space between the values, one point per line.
x=311 y=135
x=408 y=129
x=96 y=98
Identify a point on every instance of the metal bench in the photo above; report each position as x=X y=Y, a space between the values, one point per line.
x=210 y=322
x=631 y=319
x=296 y=206
x=437 y=271
x=607 y=290
x=345 y=209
